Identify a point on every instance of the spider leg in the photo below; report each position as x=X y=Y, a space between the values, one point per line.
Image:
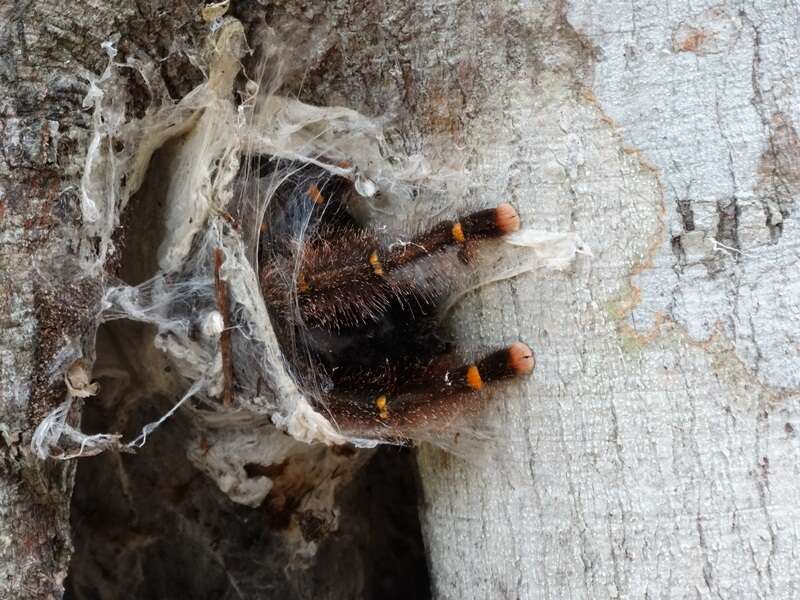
x=318 y=261
x=306 y=199
x=445 y=375
x=404 y=397
x=463 y=233
x=347 y=277
x=306 y=209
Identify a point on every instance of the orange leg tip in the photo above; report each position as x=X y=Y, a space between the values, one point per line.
x=521 y=359
x=506 y=218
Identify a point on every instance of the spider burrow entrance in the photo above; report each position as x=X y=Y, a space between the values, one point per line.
x=358 y=318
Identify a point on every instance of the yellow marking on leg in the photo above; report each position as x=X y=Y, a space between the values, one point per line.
x=458 y=233
x=302 y=284
x=474 y=378
x=377 y=267
x=383 y=407
x=314 y=193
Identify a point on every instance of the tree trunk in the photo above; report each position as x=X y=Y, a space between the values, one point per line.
x=653 y=451
x=47 y=49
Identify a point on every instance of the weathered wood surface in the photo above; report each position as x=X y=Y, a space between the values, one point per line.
x=654 y=454
x=47 y=49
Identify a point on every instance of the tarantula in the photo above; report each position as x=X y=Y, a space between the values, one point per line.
x=357 y=317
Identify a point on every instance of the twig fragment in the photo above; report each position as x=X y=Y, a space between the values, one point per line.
x=221 y=289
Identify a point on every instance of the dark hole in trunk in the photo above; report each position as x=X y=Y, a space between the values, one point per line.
x=151 y=526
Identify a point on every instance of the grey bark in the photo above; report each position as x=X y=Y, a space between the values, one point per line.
x=653 y=453
x=46 y=50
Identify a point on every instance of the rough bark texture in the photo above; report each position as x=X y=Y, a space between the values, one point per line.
x=654 y=451
x=46 y=49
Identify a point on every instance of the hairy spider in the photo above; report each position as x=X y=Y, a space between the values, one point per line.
x=357 y=317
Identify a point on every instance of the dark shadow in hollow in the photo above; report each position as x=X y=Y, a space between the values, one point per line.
x=150 y=526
